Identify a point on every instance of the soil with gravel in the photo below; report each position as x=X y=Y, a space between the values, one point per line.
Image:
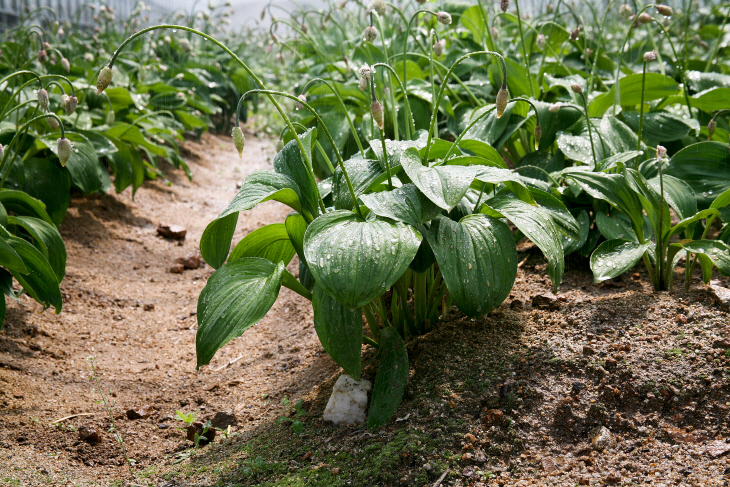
x=610 y=384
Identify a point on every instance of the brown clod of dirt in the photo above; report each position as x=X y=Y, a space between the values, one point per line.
x=546 y=301
x=224 y=419
x=177 y=268
x=718 y=448
x=197 y=428
x=190 y=261
x=140 y=413
x=89 y=434
x=175 y=232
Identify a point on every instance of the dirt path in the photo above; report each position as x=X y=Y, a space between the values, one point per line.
x=123 y=306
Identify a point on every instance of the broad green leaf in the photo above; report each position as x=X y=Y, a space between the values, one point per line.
x=614 y=257
x=537 y=225
x=489 y=128
x=658 y=126
x=443 y=185
x=405 y=204
x=721 y=203
x=215 y=243
x=657 y=86
x=87 y=173
x=716 y=251
x=291 y=162
x=478 y=260
x=564 y=220
x=40 y=282
x=390 y=380
x=616 y=226
x=23 y=204
x=235 y=298
x=677 y=194
x=339 y=330
x=270 y=242
x=570 y=244
x=705 y=166
x=128 y=167
x=554 y=122
x=356 y=261
x=364 y=173
x=511 y=179
x=10 y=259
x=47 y=239
x=702 y=215
x=296 y=225
x=50 y=183
x=483 y=150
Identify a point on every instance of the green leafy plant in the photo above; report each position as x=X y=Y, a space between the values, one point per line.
x=297 y=425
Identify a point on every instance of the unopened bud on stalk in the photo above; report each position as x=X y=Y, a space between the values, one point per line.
x=363 y=84
x=650 y=56
x=443 y=17
x=104 y=79
x=576 y=88
x=43 y=99
x=377 y=6
x=644 y=18
x=540 y=41
x=65 y=64
x=365 y=72
x=588 y=53
x=377 y=111
x=52 y=123
x=238 y=140
x=494 y=32
x=555 y=107
x=69 y=104
x=549 y=8
x=661 y=152
x=502 y=99
x=504 y=5
x=575 y=35
x=42 y=56
x=438 y=48
x=299 y=105
x=711 y=126
x=371 y=33
x=2 y=152
x=64 y=150
x=625 y=12
x=305 y=29
x=110 y=117
x=664 y=10
x=538 y=135
x=60 y=32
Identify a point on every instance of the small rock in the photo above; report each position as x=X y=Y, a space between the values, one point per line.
x=721 y=293
x=492 y=416
x=576 y=387
x=177 y=268
x=516 y=304
x=89 y=434
x=548 y=464
x=197 y=427
x=335 y=471
x=308 y=455
x=224 y=419
x=588 y=350
x=469 y=472
x=602 y=438
x=683 y=436
x=479 y=456
x=546 y=301
x=718 y=448
x=140 y=413
x=162 y=426
x=190 y=261
x=148 y=307
x=722 y=343
x=584 y=481
x=174 y=232
x=613 y=477
x=348 y=401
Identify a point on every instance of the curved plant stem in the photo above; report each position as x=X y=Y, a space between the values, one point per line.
x=641 y=116
x=21 y=129
x=410 y=125
x=524 y=51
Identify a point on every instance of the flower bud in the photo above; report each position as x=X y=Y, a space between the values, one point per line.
x=365 y=71
x=299 y=105
x=377 y=6
x=363 y=84
x=588 y=52
x=377 y=111
x=502 y=99
x=89 y=58
x=371 y=33
x=443 y=17
x=2 y=152
x=644 y=18
x=711 y=126
x=238 y=140
x=104 y=79
x=69 y=104
x=438 y=48
x=625 y=12
x=60 y=32
x=555 y=107
x=575 y=35
x=42 y=56
x=305 y=29
x=661 y=152
x=665 y=10
x=43 y=99
x=504 y=5
x=494 y=32
x=549 y=8
x=650 y=56
x=576 y=88
x=64 y=150
x=540 y=41
x=65 y=64
x=52 y=123
x=538 y=135
x=110 y=117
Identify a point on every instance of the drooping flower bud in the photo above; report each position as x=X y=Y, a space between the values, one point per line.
x=377 y=111
x=65 y=64
x=238 y=140
x=305 y=29
x=2 y=152
x=363 y=84
x=43 y=99
x=502 y=99
x=650 y=56
x=365 y=72
x=42 y=56
x=89 y=57
x=299 y=105
x=664 y=10
x=644 y=18
x=588 y=53
x=110 y=117
x=555 y=107
x=377 y=6
x=504 y=5
x=494 y=32
x=711 y=126
x=576 y=88
x=540 y=41
x=52 y=123
x=538 y=135
x=549 y=8
x=104 y=79
x=443 y=17
x=575 y=35
x=438 y=48
x=69 y=104
x=64 y=150
x=625 y=12
x=661 y=152
x=371 y=33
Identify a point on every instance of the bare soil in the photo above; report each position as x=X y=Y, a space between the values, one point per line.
x=509 y=399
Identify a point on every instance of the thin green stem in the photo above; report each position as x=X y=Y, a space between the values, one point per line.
x=641 y=114
x=524 y=51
